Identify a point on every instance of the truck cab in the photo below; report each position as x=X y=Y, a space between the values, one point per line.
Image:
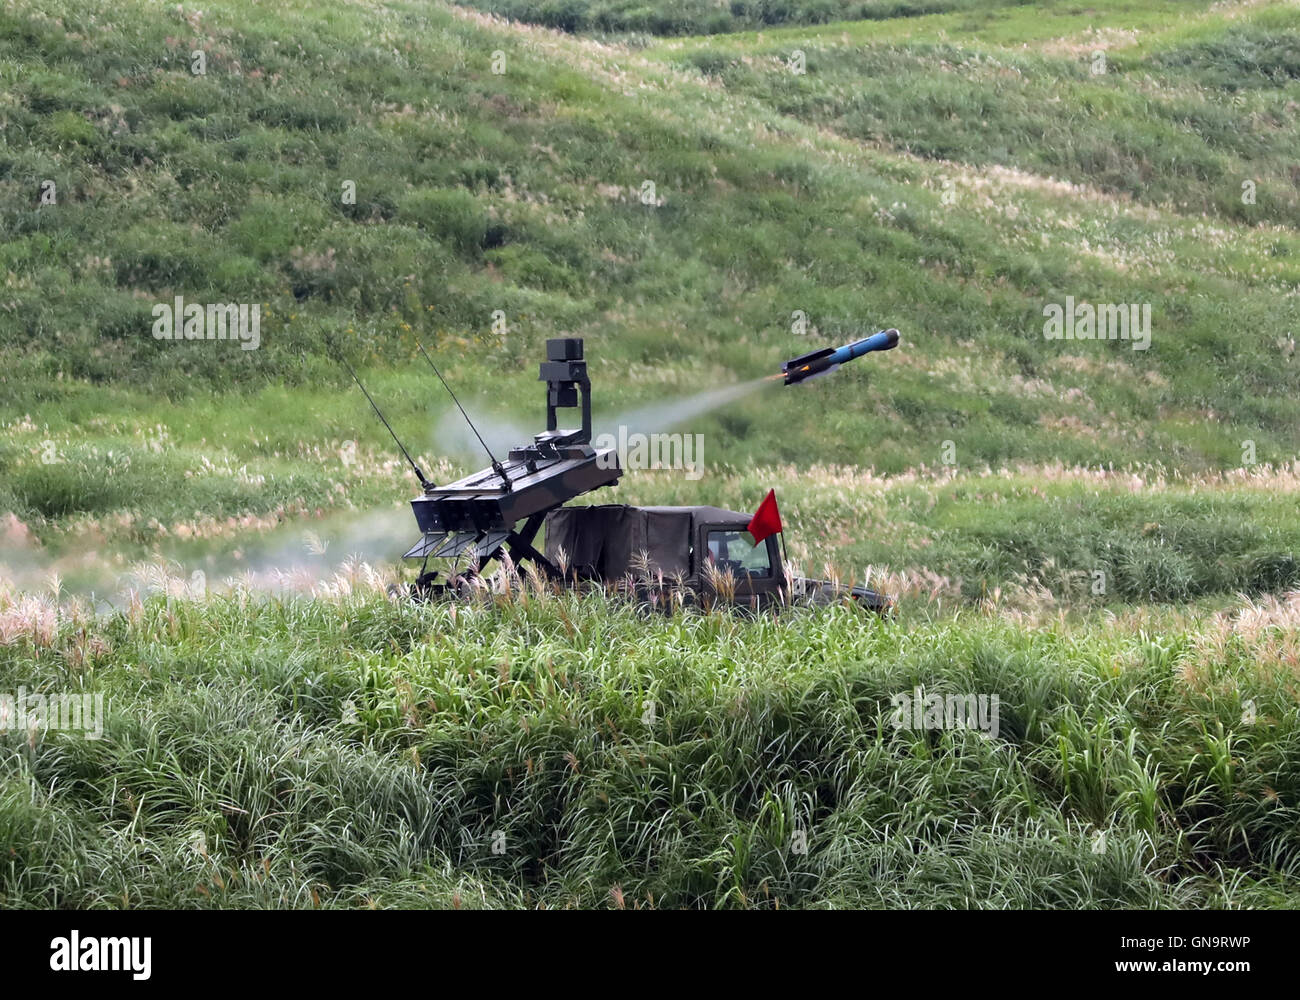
x=727 y=560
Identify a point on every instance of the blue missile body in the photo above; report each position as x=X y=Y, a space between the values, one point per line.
x=829 y=358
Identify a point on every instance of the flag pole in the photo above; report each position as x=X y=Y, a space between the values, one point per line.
x=785 y=559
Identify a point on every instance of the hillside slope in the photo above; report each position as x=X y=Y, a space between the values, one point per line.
x=699 y=212
x=774 y=194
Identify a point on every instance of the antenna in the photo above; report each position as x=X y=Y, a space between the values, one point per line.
x=418 y=474
x=496 y=466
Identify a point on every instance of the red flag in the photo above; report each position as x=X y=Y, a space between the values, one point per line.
x=766 y=520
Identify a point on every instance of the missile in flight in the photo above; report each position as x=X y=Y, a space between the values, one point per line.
x=829 y=358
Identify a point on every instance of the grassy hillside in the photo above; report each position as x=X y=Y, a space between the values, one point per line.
x=1104 y=537
x=521 y=192
x=701 y=17
x=948 y=187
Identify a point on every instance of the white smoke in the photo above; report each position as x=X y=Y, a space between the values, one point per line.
x=672 y=413
x=291 y=557
x=452 y=436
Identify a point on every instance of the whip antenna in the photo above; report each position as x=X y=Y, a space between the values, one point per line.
x=418 y=474
x=496 y=466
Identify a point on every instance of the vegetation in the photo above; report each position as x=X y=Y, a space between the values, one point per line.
x=897 y=183
x=552 y=750
x=1102 y=537
x=701 y=17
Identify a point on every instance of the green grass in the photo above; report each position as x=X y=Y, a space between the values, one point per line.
x=518 y=193
x=1154 y=126
x=697 y=17
x=1102 y=537
x=364 y=753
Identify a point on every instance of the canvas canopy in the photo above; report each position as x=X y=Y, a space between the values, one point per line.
x=607 y=541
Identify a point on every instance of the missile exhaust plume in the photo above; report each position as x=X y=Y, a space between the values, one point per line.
x=660 y=416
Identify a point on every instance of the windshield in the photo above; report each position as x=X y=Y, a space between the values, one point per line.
x=732 y=550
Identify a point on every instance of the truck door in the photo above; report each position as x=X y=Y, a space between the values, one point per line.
x=753 y=571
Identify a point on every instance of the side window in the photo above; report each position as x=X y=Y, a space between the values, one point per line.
x=731 y=550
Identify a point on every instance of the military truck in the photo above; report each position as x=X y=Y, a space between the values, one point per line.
x=700 y=554
x=704 y=552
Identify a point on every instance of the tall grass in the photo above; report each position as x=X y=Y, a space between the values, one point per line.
x=557 y=750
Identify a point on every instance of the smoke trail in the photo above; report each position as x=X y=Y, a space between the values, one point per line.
x=452 y=436
x=295 y=556
x=661 y=416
